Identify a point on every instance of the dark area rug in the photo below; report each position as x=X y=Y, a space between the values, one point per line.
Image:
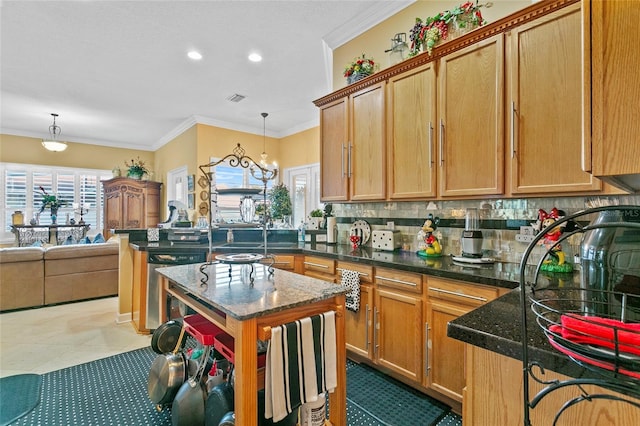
x=109 y=391
x=19 y=395
x=113 y=391
x=387 y=401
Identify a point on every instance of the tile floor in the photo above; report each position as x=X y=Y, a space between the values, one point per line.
x=48 y=339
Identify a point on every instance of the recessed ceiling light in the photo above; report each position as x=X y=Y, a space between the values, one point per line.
x=196 y=56
x=254 y=57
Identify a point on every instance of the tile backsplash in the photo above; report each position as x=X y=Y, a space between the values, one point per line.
x=500 y=221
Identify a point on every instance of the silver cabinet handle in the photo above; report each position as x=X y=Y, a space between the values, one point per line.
x=393 y=280
x=366 y=329
x=362 y=274
x=426 y=349
x=513 y=129
x=342 y=159
x=430 y=145
x=316 y=265
x=376 y=327
x=441 y=142
x=455 y=293
x=349 y=160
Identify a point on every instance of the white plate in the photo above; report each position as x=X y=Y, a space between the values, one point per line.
x=481 y=260
x=362 y=229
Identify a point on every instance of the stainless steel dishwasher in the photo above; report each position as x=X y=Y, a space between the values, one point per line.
x=154 y=262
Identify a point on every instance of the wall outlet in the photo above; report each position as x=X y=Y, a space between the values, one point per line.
x=526 y=230
x=391 y=225
x=524 y=238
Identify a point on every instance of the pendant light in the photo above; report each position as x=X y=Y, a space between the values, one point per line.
x=263 y=156
x=53 y=144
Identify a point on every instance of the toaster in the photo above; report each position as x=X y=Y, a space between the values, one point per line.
x=386 y=239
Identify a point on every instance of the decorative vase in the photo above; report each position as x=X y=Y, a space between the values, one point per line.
x=54 y=215
x=134 y=175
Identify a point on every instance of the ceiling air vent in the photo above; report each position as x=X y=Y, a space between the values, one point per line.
x=235 y=98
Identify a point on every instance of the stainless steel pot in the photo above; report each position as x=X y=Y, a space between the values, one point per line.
x=168 y=372
x=188 y=407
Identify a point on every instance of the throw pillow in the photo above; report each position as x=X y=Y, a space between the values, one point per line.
x=37 y=244
x=69 y=241
x=99 y=238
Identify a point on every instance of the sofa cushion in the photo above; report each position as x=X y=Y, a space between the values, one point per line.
x=80 y=250
x=21 y=254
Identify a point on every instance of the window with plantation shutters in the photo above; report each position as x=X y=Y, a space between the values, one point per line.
x=22 y=186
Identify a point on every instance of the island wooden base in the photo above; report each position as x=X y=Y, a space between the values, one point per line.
x=493 y=396
x=246 y=333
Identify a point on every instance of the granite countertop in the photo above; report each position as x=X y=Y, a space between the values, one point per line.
x=504 y=275
x=237 y=297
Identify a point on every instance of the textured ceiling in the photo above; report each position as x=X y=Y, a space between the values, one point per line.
x=117 y=73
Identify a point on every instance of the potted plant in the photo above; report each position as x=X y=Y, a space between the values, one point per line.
x=53 y=202
x=136 y=169
x=359 y=69
x=315 y=219
x=280 y=201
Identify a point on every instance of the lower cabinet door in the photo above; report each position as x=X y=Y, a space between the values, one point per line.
x=358 y=329
x=398 y=338
x=446 y=355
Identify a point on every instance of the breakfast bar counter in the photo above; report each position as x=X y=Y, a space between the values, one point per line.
x=245 y=301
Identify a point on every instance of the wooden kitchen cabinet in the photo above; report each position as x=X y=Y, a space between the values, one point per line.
x=320 y=267
x=358 y=325
x=366 y=151
x=544 y=62
x=411 y=171
x=334 y=138
x=130 y=204
x=612 y=90
x=352 y=147
x=398 y=340
x=471 y=120
x=447 y=300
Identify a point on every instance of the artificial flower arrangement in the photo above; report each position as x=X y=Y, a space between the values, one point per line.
x=136 y=168
x=359 y=68
x=51 y=201
x=429 y=32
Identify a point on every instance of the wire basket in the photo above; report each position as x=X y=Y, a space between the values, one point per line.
x=595 y=321
x=604 y=342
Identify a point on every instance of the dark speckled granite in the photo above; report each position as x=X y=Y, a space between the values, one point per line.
x=235 y=296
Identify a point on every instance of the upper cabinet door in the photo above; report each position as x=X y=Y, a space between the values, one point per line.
x=366 y=151
x=334 y=138
x=470 y=120
x=545 y=106
x=611 y=29
x=411 y=134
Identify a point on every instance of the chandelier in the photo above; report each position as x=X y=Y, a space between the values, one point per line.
x=53 y=144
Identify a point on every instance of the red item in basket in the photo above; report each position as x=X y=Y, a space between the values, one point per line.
x=602 y=364
x=225 y=344
x=599 y=331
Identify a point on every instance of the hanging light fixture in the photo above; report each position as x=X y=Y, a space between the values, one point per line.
x=263 y=156
x=53 y=144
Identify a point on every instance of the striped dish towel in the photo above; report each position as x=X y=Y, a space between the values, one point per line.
x=300 y=364
x=351 y=280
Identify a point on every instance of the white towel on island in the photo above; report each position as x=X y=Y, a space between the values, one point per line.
x=301 y=364
x=351 y=280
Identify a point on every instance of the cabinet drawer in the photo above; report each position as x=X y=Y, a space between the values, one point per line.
x=319 y=264
x=406 y=281
x=460 y=292
x=282 y=261
x=365 y=271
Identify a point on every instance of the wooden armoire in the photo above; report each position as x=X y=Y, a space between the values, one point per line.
x=130 y=204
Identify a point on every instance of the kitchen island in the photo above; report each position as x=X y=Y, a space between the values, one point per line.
x=246 y=310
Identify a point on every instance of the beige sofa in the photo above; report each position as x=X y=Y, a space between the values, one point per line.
x=33 y=276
